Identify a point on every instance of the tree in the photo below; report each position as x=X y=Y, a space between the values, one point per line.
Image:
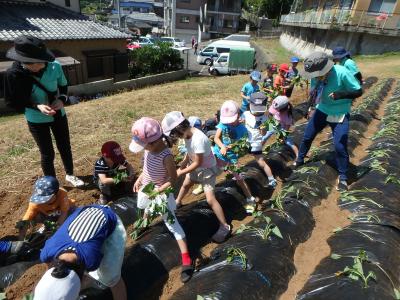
x=253 y=9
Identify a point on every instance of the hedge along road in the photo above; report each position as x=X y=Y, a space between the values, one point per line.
x=362 y=264
x=262 y=268
x=309 y=254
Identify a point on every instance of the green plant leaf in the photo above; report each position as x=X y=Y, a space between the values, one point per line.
x=337 y=229
x=335 y=256
x=3 y=296
x=199 y=297
x=277 y=232
x=396 y=294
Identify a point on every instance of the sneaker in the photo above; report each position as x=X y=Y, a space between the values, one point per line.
x=75 y=181
x=250 y=205
x=222 y=233
x=342 y=186
x=272 y=183
x=297 y=164
x=198 y=190
x=186 y=273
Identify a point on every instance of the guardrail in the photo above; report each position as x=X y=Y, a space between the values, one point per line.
x=345 y=19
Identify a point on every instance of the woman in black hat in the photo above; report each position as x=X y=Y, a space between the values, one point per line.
x=36 y=86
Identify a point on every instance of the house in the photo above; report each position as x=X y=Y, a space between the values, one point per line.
x=98 y=50
x=362 y=26
x=222 y=17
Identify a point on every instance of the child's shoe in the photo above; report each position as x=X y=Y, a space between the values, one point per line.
x=250 y=205
x=272 y=183
x=222 y=233
x=75 y=181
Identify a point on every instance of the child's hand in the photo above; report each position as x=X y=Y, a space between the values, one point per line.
x=179 y=172
x=223 y=150
x=137 y=185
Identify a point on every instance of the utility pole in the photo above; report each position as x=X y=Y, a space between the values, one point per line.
x=119 y=14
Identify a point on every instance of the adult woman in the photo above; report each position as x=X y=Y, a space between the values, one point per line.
x=333 y=88
x=36 y=86
x=342 y=56
x=91 y=241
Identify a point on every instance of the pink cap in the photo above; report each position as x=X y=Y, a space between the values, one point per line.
x=229 y=112
x=144 y=131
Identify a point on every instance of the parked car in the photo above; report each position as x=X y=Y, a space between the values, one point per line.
x=237 y=60
x=146 y=41
x=132 y=45
x=238 y=37
x=176 y=43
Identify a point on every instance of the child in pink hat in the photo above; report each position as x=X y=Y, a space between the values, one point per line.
x=230 y=130
x=281 y=110
x=159 y=168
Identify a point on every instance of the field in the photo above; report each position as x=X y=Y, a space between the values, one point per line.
x=110 y=118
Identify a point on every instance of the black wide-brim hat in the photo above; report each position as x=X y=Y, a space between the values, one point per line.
x=29 y=49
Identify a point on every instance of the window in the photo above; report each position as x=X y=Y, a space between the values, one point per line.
x=382 y=6
x=68 y=3
x=184 y=19
x=95 y=66
x=223 y=50
x=208 y=50
x=228 y=24
x=223 y=59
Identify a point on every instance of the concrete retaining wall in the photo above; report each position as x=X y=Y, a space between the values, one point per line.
x=304 y=41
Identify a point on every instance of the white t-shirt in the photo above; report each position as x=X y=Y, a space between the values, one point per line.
x=253 y=124
x=200 y=144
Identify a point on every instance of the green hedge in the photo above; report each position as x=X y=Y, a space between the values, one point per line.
x=149 y=60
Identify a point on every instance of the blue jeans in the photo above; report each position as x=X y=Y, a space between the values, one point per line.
x=340 y=133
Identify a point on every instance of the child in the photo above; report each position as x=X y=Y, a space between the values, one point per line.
x=281 y=110
x=199 y=165
x=159 y=168
x=291 y=74
x=253 y=120
x=268 y=83
x=230 y=130
x=48 y=202
x=107 y=166
x=250 y=88
x=280 y=81
x=91 y=242
x=342 y=57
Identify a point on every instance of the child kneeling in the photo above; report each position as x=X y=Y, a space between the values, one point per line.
x=198 y=166
x=159 y=169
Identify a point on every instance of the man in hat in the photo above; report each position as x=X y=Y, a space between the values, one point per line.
x=333 y=88
x=36 y=86
x=342 y=57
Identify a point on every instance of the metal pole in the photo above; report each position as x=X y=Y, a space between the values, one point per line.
x=359 y=22
x=119 y=14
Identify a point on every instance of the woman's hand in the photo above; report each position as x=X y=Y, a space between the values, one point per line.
x=45 y=109
x=57 y=104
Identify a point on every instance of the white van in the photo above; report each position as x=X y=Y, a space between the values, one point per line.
x=213 y=50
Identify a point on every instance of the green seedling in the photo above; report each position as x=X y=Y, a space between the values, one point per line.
x=359 y=273
x=264 y=233
x=234 y=168
x=386 y=132
x=212 y=296
x=236 y=253
x=381 y=153
x=120 y=176
x=392 y=178
x=339 y=229
x=179 y=158
x=277 y=200
x=50 y=226
x=307 y=170
x=240 y=147
x=26 y=297
x=369 y=218
x=356 y=271
x=157 y=207
x=376 y=165
x=355 y=196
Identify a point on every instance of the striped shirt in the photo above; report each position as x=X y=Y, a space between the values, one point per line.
x=86 y=225
x=101 y=167
x=154 y=169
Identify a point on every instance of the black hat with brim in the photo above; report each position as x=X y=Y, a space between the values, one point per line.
x=315 y=65
x=29 y=49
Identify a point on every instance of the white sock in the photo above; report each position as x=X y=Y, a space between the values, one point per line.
x=271 y=178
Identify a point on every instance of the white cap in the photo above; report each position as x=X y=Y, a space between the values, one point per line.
x=52 y=288
x=171 y=121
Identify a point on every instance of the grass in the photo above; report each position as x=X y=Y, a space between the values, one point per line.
x=273 y=49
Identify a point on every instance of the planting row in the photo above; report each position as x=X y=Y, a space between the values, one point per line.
x=257 y=262
x=363 y=263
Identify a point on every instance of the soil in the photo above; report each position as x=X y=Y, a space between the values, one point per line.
x=328 y=216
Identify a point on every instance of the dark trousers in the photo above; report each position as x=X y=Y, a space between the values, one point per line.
x=41 y=134
x=340 y=133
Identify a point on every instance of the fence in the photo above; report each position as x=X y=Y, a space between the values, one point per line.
x=346 y=19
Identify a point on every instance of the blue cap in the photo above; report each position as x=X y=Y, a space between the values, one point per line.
x=339 y=53
x=45 y=188
x=255 y=75
x=294 y=59
x=195 y=122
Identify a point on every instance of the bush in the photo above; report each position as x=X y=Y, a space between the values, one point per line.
x=149 y=60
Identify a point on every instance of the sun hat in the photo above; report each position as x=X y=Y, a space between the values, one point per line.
x=315 y=65
x=112 y=150
x=255 y=75
x=144 y=131
x=278 y=104
x=229 y=112
x=195 y=122
x=294 y=59
x=284 y=67
x=53 y=288
x=340 y=52
x=45 y=188
x=258 y=102
x=29 y=49
x=171 y=121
